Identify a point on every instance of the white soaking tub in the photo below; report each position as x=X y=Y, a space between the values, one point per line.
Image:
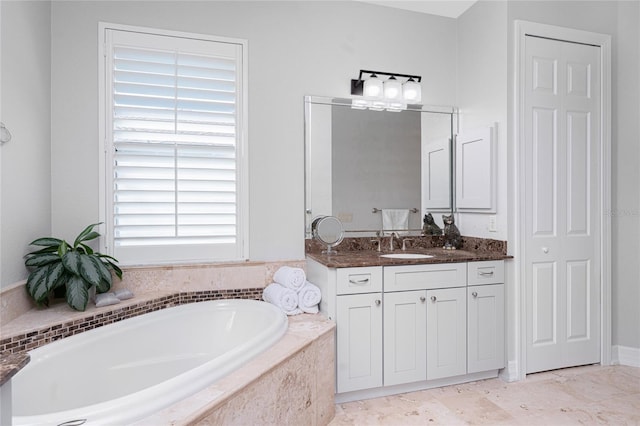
x=122 y=372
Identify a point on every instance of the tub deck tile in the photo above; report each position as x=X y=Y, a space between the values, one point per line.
x=287 y=384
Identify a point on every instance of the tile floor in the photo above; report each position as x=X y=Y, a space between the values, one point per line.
x=589 y=395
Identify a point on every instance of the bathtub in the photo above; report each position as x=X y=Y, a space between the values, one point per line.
x=122 y=372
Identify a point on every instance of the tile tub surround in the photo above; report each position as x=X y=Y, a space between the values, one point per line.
x=287 y=384
x=25 y=326
x=357 y=252
x=11 y=364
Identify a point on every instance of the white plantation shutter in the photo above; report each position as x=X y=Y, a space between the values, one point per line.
x=173 y=148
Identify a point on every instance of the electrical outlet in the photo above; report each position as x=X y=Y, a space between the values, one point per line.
x=492 y=224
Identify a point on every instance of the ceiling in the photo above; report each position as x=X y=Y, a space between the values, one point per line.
x=448 y=8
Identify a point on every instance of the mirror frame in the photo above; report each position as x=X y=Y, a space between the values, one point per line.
x=347 y=102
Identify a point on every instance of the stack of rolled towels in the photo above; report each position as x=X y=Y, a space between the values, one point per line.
x=291 y=292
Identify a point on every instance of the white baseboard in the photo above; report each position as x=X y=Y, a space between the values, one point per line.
x=510 y=373
x=625 y=355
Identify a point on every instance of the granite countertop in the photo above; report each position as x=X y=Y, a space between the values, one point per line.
x=357 y=258
x=11 y=364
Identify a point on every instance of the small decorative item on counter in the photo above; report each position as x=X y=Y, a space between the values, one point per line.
x=429 y=226
x=75 y=268
x=452 y=237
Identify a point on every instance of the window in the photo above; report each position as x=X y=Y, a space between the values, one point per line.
x=175 y=158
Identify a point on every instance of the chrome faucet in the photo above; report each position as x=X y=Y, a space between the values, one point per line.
x=393 y=235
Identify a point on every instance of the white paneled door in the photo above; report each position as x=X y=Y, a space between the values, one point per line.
x=562 y=215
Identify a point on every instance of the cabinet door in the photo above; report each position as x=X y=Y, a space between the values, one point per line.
x=405 y=337
x=485 y=328
x=359 y=341
x=475 y=174
x=446 y=332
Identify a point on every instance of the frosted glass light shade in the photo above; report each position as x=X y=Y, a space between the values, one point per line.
x=411 y=91
x=372 y=87
x=392 y=89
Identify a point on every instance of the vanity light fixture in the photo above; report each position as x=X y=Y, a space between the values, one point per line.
x=373 y=87
x=392 y=89
x=390 y=94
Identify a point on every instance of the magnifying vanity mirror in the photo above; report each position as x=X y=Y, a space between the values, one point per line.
x=358 y=162
x=328 y=230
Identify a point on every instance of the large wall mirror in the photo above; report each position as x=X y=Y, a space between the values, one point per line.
x=360 y=161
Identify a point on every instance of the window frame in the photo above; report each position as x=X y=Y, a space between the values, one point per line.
x=106 y=215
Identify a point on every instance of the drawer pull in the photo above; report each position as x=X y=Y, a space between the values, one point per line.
x=485 y=274
x=474 y=294
x=433 y=298
x=378 y=302
x=359 y=282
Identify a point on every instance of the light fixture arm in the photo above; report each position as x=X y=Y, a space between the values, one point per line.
x=390 y=74
x=357 y=86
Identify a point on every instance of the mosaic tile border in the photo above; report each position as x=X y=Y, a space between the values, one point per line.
x=52 y=332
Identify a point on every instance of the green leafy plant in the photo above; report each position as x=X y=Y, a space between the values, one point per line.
x=76 y=267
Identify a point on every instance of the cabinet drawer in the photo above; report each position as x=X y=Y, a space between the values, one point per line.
x=359 y=280
x=425 y=277
x=489 y=272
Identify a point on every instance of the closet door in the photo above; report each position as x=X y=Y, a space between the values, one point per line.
x=562 y=225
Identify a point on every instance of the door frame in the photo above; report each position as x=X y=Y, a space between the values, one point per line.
x=522 y=29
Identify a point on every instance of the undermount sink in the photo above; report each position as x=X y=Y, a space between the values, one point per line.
x=406 y=256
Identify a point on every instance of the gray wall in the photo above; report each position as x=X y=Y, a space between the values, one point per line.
x=295 y=49
x=482 y=98
x=25 y=103
x=626 y=177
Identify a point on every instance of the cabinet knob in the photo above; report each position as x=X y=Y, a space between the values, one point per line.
x=422 y=299
x=474 y=294
x=433 y=298
x=545 y=249
x=378 y=302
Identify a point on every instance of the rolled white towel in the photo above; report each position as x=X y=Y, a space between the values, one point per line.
x=284 y=298
x=308 y=298
x=293 y=278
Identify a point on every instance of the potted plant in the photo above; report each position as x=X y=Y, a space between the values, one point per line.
x=75 y=268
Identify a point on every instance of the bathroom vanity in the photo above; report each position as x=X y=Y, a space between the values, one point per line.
x=410 y=324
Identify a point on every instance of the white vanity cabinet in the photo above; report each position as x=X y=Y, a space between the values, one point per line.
x=355 y=303
x=359 y=342
x=405 y=337
x=485 y=316
x=446 y=332
x=409 y=327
